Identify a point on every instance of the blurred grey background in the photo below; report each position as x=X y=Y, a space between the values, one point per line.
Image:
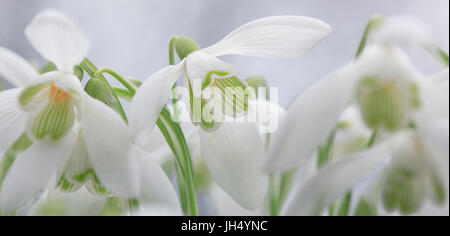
x=131 y=36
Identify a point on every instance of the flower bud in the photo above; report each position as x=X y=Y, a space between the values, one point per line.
x=185 y=46
x=99 y=89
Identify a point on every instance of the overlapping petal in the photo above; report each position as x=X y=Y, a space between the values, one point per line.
x=12 y=119
x=15 y=69
x=233 y=156
x=310 y=120
x=108 y=143
x=32 y=171
x=313 y=196
x=157 y=196
x=58 y=39
x=199 y=65
x=149 y=101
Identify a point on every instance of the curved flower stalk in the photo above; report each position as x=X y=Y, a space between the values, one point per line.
x=76 y=137
x=232 y=150
x=394 y=99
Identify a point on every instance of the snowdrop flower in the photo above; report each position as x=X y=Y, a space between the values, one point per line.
x=418 y=168
x=393 y=98
x=76 y=137
x=232 y=151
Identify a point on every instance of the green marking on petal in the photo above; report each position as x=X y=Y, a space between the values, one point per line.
x=234 y=94
x=382 y=104
x=404 y=191
x=97 y=189
x=83 y=177
x=365 y=209
x=6 y=162
x=65 y=185
x=207 y=122
x=54 y=120
x=114 y=206
x=29 y=93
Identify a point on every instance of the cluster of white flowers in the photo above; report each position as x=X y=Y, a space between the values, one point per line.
x=371 y=139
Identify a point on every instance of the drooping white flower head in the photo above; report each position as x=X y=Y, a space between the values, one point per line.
x=394 y=98
x=233 y=151
x=77 y=138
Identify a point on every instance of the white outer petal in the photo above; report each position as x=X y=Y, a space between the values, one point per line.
x=273 y=37
x=149 y=101
x=386 y=62
x=32 y=171
x=332 y=182
x=157 y=196
x=434 y=95
x=15 y=69
x=310 y=120
x=224 y=205
x=233 y=156
x=199 y=64
x=58 y=39
x=405 y=30
x=12 y=118
x=108 y=143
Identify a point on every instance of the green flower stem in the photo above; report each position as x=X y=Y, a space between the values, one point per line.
x=177 y=143
x=123 y=93
x=174 y=136
x=324 y=154
x=274 y=195
x=172 y=133
x=119 y=78
x=373 y=23
x=279 y=186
